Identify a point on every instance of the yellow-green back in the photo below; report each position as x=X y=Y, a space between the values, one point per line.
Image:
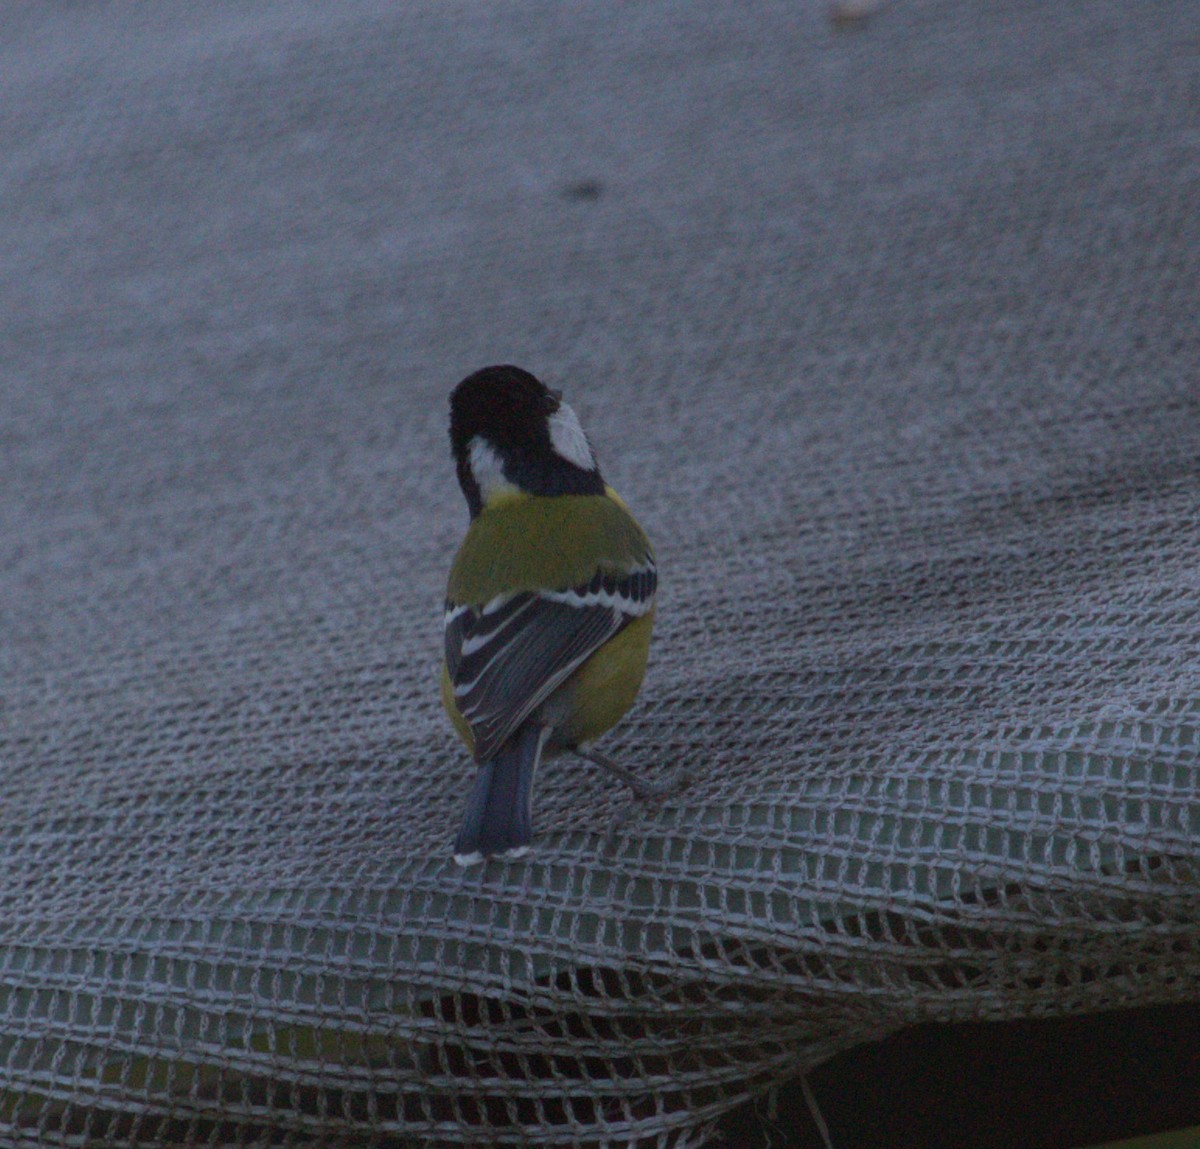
x=532 y=543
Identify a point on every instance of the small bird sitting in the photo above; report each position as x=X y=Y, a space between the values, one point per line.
x=549 y=606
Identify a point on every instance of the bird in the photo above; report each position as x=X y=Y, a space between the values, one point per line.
x=549 y=605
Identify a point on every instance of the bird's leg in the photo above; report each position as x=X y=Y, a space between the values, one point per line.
x=608 y=847
x=642 y=791
x=646 y=791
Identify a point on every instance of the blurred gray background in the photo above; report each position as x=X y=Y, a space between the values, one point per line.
x=781 y=268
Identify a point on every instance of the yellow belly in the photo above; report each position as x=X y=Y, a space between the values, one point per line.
x=594 y=698
x=597 y=695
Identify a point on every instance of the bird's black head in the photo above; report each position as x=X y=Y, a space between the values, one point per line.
x=510 y=433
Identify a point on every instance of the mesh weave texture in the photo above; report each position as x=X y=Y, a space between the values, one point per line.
x=889 y=336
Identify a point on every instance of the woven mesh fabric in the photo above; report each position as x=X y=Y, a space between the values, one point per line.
x=889 y=338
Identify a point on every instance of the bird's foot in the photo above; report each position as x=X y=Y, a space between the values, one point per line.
x=642 y=790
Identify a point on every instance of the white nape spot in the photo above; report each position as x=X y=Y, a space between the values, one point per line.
x=488 y=470
x=568 y=439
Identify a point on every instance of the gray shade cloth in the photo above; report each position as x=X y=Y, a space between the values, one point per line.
x=888 y=334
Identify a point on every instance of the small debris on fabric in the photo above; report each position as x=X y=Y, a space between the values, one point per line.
x=852 y=13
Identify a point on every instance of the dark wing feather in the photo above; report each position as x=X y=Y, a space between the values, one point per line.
x=498 y=684
x=506 y=657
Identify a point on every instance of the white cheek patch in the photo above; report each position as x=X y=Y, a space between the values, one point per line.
x=488 y=470
x=568 y=439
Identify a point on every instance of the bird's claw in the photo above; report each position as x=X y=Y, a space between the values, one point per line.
x=643 y=792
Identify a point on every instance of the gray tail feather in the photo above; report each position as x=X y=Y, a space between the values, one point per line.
x=498 y=818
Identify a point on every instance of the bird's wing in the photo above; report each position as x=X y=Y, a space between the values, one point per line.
x=506 y=656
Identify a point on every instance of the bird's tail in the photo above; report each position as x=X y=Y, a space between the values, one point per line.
x=498 y=820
